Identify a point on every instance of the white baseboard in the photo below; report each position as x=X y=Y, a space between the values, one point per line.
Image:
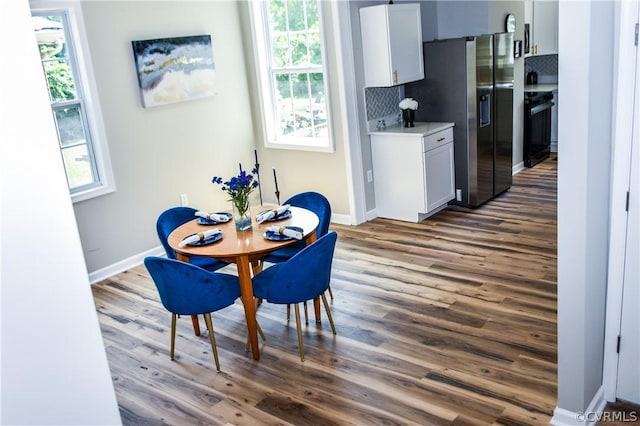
x=589 y=417
x=342 y=219
x=123 y=265
x=372 y=214
x=517 y=168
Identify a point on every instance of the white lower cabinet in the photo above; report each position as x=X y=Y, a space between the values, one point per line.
x=413 y=170
x=438 y=164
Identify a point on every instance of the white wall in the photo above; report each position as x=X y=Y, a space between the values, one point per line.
x=53 y=367
x=585 y=73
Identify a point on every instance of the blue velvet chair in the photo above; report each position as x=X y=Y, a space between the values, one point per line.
x=303 y=277
x=169 y=220
x=318 y=204
x=186 y=289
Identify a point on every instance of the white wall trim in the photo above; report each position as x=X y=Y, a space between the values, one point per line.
x=517 y=168
x=342 y=219
x=123 y=265
x=590 y=416
x=347 y=83
x=372 y=214
x=622 y=136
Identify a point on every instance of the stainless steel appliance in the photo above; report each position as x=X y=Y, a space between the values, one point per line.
x=537 y=127
x=469 y=81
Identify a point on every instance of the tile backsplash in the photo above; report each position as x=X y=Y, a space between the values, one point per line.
x=382 y=101
x=545 y=65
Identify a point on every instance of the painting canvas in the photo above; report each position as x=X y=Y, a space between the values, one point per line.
x=174 y=69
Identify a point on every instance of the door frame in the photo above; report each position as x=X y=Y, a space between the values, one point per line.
x=626 y=75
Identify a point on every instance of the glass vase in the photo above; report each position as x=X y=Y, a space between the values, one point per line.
x=241 y=215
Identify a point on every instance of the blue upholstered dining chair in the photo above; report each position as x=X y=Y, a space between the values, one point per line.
x=317 y=203
x=186 y=289
x=303 y=277
x=169 y=220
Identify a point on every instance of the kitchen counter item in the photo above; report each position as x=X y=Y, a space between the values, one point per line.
x=422 y=129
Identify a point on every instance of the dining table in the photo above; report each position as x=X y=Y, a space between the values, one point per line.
x=246 y=249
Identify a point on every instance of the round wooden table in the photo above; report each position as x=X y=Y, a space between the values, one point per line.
x=245 y=249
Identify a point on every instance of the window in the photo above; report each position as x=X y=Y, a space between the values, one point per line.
x=76 y=118
x=291 y=61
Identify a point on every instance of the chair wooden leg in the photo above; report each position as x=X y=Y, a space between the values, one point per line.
x=330 y=293
x=288 y=312
x=306 y=314
x=326 y=308
x=196 y=325
x=173 y=335
x=212 y=339
x=299 y=329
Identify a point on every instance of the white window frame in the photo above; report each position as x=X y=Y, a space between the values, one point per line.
x=267 y=92
x=105 y=183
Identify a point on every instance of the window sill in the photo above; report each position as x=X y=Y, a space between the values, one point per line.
x=294 y=144
x=92 y=193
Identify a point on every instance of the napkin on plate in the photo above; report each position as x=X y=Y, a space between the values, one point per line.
x=285 y=231
x=269 y=214
x=199 y=237
x=212 y=216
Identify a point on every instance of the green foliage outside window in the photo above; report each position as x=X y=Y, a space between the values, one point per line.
x=296 y=66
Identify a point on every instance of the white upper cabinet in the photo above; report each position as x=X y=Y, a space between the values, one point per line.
x=391 y=44
x=542 y=16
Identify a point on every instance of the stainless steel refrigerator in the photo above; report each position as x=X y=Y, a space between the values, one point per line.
x=469 y=81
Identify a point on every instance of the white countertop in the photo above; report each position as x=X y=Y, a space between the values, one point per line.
x=544 y=87
x=422 y=129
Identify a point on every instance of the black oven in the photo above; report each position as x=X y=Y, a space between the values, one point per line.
x=537 y=127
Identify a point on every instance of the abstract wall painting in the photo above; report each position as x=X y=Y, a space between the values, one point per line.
x=174 y=69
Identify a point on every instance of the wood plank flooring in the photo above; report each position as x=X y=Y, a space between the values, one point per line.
x=451 y=321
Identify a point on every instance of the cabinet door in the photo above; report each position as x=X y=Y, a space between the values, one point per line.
x=398 y=176
x=391 y=44
x=528 y=22
x=405 y=43
x=545 y=27
x=438 y=164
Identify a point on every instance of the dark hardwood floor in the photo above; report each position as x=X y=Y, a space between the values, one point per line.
x=451 y=321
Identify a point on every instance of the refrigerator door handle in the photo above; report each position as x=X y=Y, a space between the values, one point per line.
x=485 y=110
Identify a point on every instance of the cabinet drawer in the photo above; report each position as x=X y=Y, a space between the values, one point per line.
x=435 y=140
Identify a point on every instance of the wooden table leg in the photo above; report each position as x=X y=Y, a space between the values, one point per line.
x=196 y=324
x=246 y=289
x=316 y=308
x=256 y=267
